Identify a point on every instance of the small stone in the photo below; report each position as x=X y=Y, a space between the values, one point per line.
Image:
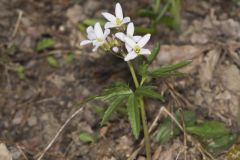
x=75 y=14
x=4 y=153
x=32 y=121
x=18 y=118
x=141 y=158
x=91 y=7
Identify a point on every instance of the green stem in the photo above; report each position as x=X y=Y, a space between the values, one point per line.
x=143 y=114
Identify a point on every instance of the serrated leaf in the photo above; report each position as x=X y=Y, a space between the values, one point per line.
x=167 y=74
x=52 y=61
x=142 y=69
x=86 y=100
x=220 y=144
x=134 y=115
x=168 y=129
x=117 y=89
x=211 y=129
x=45 y=44
x=154 y=53
x=169 y=70
x=188 y=117
x=87 y=137
x=148 y=91
x=112 y=107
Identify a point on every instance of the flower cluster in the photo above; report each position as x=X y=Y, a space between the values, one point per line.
x=134 y=45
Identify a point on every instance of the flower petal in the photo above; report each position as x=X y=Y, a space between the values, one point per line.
x=106 y=33
x=145 y=51
x=136 y=38
x=126 y=20
x=130 y=56
x=129 y=49
x=98 y=30
x=96 y=47
x=85 y=42
x=143 y=41
x=130 y=29
x=118 y=11
x=120 y=36
x=109 y=25
x=130 y=42
x=90 y=29
x=91 y=36
x=109 y=16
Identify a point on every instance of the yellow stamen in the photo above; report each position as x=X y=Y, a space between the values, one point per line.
x=118 y=21
x=137 y=49
x=99 y=40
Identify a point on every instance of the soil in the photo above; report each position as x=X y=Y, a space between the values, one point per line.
x=35 y=107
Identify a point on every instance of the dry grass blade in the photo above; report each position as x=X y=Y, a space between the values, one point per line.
x=59 y=131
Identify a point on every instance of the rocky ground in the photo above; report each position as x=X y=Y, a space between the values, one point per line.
x=34 y=108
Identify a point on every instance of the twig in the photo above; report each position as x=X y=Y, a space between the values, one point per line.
x=20 y=149
x=20 y=13
x=59 y=131
x=179 y=153
x=172 y=117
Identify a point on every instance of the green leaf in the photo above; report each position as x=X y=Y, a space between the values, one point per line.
x=147 y=13
x=45 y=44
x=210 y=129
x=92 y=21
x=112 y=107
x=82 y=27
x=148 y=91
x=189 y=117
x=175 y=11
x=169 y=21
x=117 y=89
x=154 y=53
x=169 y=69
x=162 y=12
x=144 y=30
x=52 y=61
x=167 y=131
x=69 y=57
x=87 y=137
x=86 y=100
x=134 y=114
x=216 y=146
x=99 y=111
x=142 y=69
x=156 y=5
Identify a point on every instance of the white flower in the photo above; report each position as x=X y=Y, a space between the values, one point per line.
x=115 y=21
x=130 y=33
x=137 y=47
x=96 y=36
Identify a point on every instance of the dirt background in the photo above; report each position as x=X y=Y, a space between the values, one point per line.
x=34 y=108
